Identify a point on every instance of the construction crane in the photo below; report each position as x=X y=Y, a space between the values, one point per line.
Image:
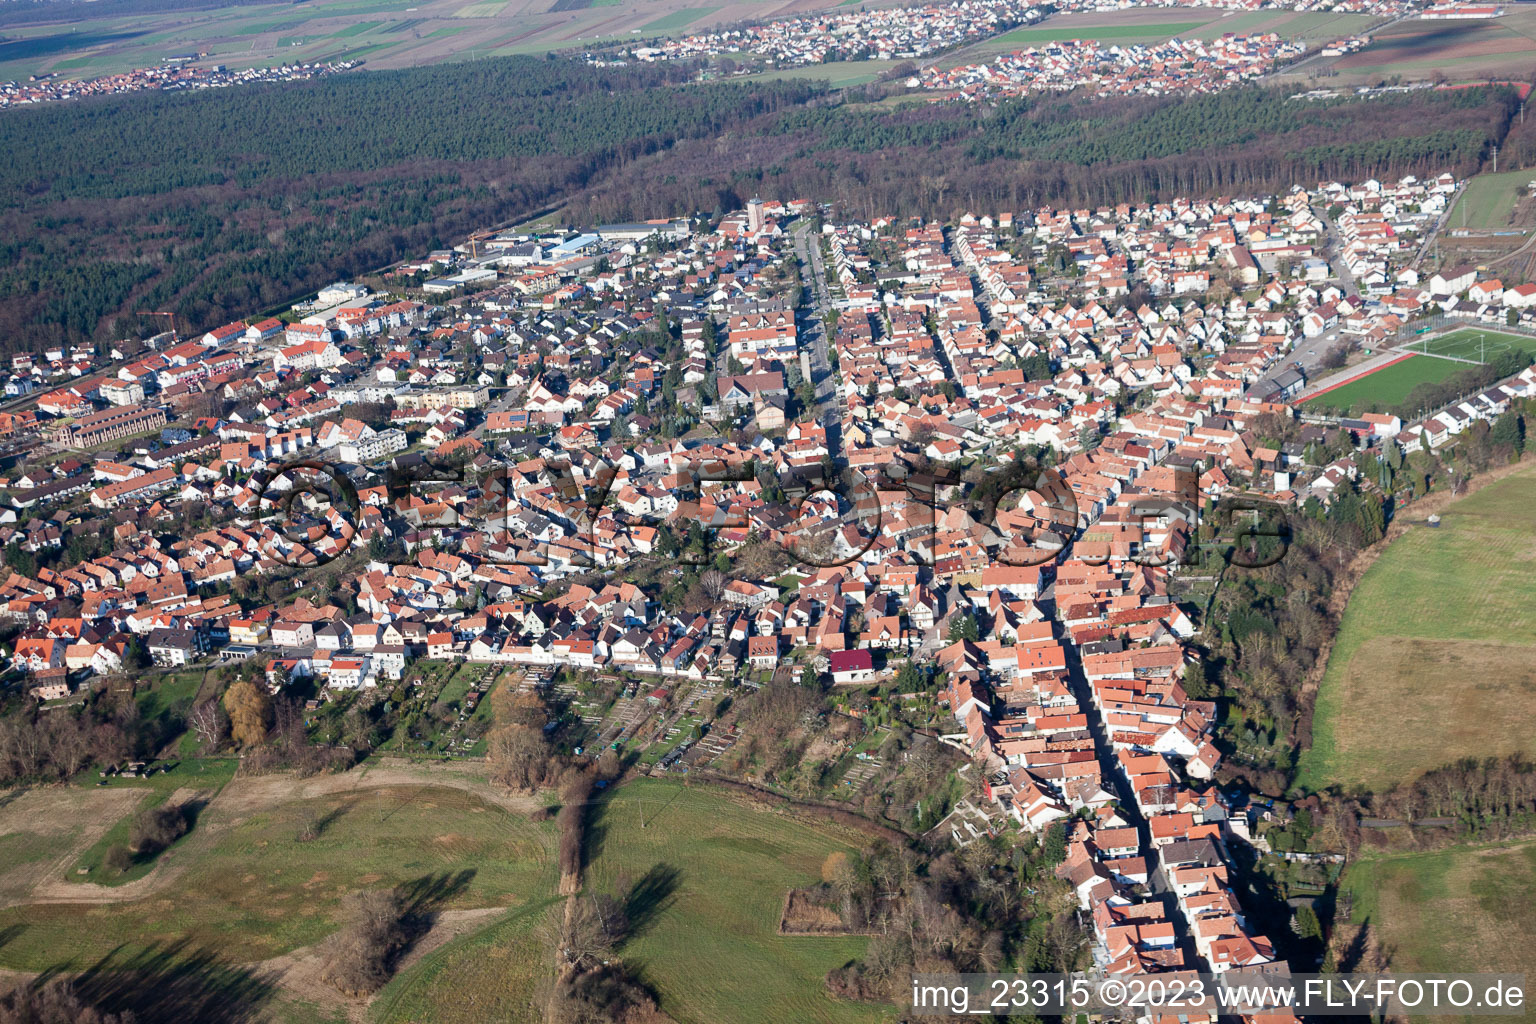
x=474 y=242
x=171 y=316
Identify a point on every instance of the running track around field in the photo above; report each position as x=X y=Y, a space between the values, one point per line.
x=1359 y=376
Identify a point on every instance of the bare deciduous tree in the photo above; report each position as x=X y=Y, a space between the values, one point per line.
x=519 y=757
x=209 y=723
x=309 y=825
x=360 y=957
x=53 y=1003
x=596 y=928
x=712 y=582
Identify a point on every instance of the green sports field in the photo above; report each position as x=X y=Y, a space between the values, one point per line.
x=1390 y=386
x=1386 y=387
x=1436 y=655
x=1476 y=343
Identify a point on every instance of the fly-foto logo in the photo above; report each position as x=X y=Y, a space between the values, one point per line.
x=552 y=513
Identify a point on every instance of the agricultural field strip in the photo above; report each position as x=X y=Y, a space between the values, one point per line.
x=1447 y=909
x=1443 y=622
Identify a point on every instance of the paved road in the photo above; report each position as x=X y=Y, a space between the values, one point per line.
x=1309 y=352
x=1113 y=780
x=1434 y=232
x=811 y=331
x=509 y=400
x=1335 y=251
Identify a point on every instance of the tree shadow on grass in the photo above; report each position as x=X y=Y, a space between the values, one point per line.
x=649 y=897
x=315 y=827
x=190 y=811
x=1354 y=952
x=595 y=826
x=593 y=835
x=594 y=830
x=424 y=896
x=173 y=981
x=421 y=899
x=330 y=818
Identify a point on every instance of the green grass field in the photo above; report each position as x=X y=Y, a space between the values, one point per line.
x=1307 y=26
x=1463 y=909
x=495 y=973
x=1390 y=386
x=677 y=19
x=1477 y=343
x=1434 y=657
x=252 y=890
x=790 y=581
x=1489 y=199
x=713 y=950
x=726 y=868
x=1385 y=387
x=245 y=886
x=1020 y=38
x=840 y=74
x=204 y=776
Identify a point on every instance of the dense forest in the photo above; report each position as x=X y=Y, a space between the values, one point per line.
x=939 y=159
x=222 y=204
